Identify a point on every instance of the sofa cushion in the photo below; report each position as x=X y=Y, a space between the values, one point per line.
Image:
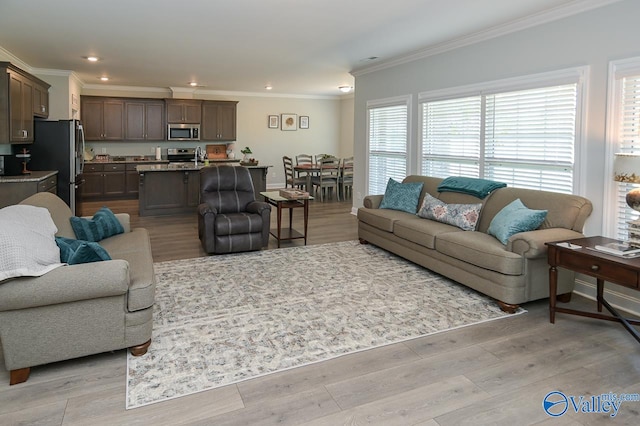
x=27 y=244
x=401 y=196
x=422 y=231
x=135 y=248
x=464 y=216
x=383 y=219
x=103 y=224
x=481 y=250
x=513 y=218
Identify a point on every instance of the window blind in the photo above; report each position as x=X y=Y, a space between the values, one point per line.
x=387 y=146
x=525 y=138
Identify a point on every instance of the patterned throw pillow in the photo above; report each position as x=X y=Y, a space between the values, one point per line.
x=464 y=216
x=402 y=196
x=74 y=252
x=103 y=224
x=515 y=217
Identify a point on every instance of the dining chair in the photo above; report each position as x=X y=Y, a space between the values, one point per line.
x=319 y=157
x=291 y=179
x=346 y=177
x=304 y=159
x=327 y=177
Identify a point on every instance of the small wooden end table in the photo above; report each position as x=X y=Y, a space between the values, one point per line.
x=604 y=267
x=275 y=199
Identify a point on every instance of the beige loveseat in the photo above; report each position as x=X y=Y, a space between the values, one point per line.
x=512 y=274
x=78 y=310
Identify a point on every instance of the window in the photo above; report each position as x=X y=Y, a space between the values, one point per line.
x=387 y=142
x=524 y=136
x=623 y=136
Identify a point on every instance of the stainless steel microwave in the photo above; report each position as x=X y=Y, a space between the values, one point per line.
x=183 y=132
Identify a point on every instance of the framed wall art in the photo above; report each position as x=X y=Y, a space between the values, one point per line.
x=304 y=121
x=289 y=122
x=274 y=122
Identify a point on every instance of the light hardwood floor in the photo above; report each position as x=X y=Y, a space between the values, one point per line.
x=492 y=373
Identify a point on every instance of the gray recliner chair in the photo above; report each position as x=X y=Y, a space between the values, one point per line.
x=229 y=217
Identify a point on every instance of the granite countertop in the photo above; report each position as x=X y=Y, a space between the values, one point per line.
x=35 y=176
x=172 y=167
x=127 y=159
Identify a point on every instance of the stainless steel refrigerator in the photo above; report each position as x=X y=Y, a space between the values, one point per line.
x=59 y=145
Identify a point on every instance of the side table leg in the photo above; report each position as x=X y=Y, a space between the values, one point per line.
x=279 y=221
x=600 y=293
x=306 y=219
x=553 y=284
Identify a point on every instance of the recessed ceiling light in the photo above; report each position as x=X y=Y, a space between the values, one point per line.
x=268 y=87
x=345 y=89
x=104 y=78
x=91 y=58
x=193 y=83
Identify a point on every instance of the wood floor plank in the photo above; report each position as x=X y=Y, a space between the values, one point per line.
x=40 y=415
x=411 y=407
x=384 y=383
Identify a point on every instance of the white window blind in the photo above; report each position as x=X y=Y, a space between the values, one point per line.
x=525 y=138
x=628 y=136
x=387 y=146
x=451 y=137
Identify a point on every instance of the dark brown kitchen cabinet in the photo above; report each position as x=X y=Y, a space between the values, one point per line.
x=184 y=111
x=102 y=118
x=40 y=101
x=103 y=181
x=17 y=91
x=144 y=120
x=218 y=121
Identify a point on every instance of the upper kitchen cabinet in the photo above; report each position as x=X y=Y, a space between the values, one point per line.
x=17 y=103
x=218 y=121
x=102 y=118
x=144 y=120
x=184 y=111
x=40 y=101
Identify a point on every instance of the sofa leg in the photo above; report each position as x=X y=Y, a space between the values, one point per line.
x=140 y=349
x=564 y=298
x=363 y=241
x=508 y=307
x=19 y=376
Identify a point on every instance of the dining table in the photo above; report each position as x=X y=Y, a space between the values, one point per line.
x=310 y=169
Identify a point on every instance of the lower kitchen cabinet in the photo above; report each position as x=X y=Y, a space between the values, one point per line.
x=14 y=189
x=168 y=192
x=103 y=181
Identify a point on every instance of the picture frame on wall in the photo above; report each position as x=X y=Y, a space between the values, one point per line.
x=289 y=122
x=304 y=121
x=274 y=122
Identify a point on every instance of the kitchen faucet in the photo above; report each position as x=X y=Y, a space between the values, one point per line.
x=198 y=154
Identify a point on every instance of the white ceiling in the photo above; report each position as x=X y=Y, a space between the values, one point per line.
x=301 y=47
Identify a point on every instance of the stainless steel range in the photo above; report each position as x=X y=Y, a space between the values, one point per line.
x=179 y=155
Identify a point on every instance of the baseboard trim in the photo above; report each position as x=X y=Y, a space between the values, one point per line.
x=618 y=300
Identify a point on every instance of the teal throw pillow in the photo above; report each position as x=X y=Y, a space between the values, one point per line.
x=74 y=252
x=402 y=196
x=103 y=224
x=515 y=217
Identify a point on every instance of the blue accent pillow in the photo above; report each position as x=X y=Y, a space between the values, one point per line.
x=402 y=196
x=74 y=252
x=103 y=224
x=513 y=218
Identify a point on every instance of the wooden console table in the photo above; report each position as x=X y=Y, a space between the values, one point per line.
x=604 y=267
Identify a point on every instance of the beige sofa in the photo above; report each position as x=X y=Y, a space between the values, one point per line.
x=78 y=310
x=512 y=274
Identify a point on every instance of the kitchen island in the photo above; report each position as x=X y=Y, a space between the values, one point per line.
x=14 y=189
x=174 y=188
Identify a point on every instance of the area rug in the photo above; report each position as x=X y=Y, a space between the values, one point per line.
x=223 y=319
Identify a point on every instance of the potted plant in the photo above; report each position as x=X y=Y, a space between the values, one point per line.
x=246 y=159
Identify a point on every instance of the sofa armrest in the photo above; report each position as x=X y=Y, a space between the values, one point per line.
x=531 y=244
x=66 y=284
x=372 y=201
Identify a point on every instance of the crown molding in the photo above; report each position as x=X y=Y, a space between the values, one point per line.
x=550 y=15
x=264 y=95
x=15 y=60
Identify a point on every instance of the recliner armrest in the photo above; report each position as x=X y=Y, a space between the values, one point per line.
x=258 y=207
x=69 y=283
x=531 y=244
x=205 y=208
